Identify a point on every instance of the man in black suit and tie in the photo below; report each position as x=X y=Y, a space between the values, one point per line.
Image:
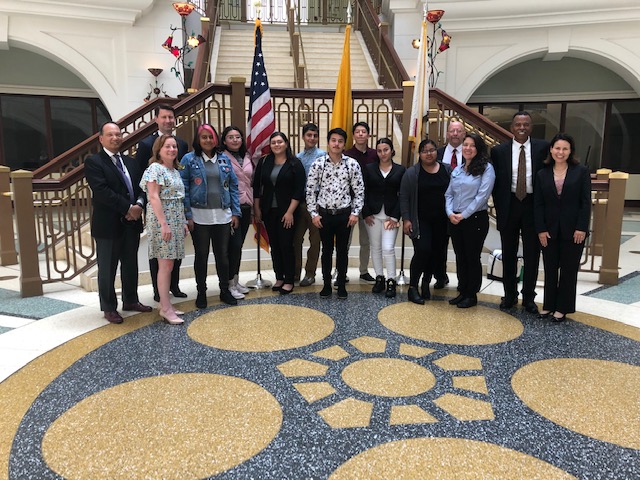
x=165 y=118
x=516 y=163
x=116 y=223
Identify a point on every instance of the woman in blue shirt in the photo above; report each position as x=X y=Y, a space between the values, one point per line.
x=466 y=203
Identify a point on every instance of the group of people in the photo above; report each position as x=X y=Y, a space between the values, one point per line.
x=213 y=192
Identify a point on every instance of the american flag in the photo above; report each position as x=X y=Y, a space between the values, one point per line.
x=261 y=122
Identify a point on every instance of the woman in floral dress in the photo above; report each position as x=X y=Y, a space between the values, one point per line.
x=166 y=223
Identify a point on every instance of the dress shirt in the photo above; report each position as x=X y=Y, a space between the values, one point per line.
x=448 y=151
x=515 y=158
x=468 y=194
x=330 y=185
x=308 y=155
x=211 y=216
x=363 y=158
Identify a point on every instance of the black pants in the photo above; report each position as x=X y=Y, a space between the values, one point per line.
x=281 y=245
x=237 y=241
x=218 y=237
x=561 y=258
x=520 y=224
x=429 y=250
x=468 y=239
x=110 y=252
x=175 y=274
x=335 y=228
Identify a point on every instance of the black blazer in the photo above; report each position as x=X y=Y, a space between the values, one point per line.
x=380 y=191
x=145 y=149
x=502 y=164
x=110 y=196
x=561 y=215
x=290 y=183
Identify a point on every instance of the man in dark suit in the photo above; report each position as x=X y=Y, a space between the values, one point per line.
x=166 y=120
x=516 y=163
x=116 y=222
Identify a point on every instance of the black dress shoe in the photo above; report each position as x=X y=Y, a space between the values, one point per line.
x=276 y=288
x=379 y=286
x=508 y=302
x=531 y=307
x=441 y=283
x=457 y=300
x=544 y=315
x=326 y=291
x=342 y=292
x=201 y=300
x=413 y=296
x=467 y=303
x=176 y=292
x=226 y=297
x=284 y=291
x=113 y=317
x=555 y=319
x=136 y=307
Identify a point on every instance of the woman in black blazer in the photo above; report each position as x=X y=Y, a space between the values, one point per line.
x=562 y=200
x=381 y=213
x=278 y=188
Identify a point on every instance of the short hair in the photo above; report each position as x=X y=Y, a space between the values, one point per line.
x=338 y=131
x=361 y=124
x=164 y=106
x=243 y=146
x=572 y=160
x=110 y=122
x=387 y=141
x=520 y=113
x=157 y=146
x=197 y=148
x=426 y=142
x=310 y=127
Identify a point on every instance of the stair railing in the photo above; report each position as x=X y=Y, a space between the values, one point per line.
x=202 y=70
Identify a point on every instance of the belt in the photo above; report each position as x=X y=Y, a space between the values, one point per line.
x=333 y=211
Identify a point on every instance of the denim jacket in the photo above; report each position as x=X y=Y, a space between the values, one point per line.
x=194 y=177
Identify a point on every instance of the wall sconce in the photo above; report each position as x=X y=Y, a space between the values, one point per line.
x=415 y=43
x=157 y=90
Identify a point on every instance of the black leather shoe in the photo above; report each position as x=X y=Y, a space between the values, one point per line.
x=555 y=319
x=457 y=300
x=467 y=303
x=113 y=317
x=326 y=291
x=226 y=297
x=508 y=303
x=201 y=300
x=391 y=288
x=441 y=283
x=531 y=307
x=544 y=315
x=136 y=307
x=379 y=286
x=342 y=292
x=176 y=292
x=413 y=296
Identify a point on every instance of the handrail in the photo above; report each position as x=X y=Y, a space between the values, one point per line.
x=294 y=45
x=202 y=70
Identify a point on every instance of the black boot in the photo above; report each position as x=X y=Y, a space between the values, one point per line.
x=379 y=286
x=391 y=288
x=201 y=300
x=414 y=296
x=425 y=292
x=326 y=290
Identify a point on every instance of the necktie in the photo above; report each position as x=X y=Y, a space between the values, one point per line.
x=454 y=159
x=521 y=181
x=127 y=182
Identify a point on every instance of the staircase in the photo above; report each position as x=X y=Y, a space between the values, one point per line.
x=234 y=50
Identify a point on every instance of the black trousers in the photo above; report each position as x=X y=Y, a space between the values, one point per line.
x=520 y=225
x=468 y=239
x=561 y=259
x=110 y=252
x=175 y=274
x=335 y=229
x=429 y=251
x=281 y=245
x=218 y=237
x=237 y=241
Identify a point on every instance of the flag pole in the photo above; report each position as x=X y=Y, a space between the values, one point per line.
x=258 y=283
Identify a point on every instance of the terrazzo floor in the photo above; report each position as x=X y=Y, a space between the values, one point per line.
x=296 y=386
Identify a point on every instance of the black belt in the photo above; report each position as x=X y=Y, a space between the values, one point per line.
x=333 y=211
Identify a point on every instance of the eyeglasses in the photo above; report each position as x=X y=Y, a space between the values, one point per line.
x=234 y=137
x=430 y=151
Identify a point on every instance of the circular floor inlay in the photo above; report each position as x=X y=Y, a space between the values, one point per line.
x=438 y=458
x=596 y=398
x=261 y=328
x=388 y=377
x=437 y=321
x=173 y=426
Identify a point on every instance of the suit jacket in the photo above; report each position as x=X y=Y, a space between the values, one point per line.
x=110 y=196
x=145 y=148
x=501 y=158
x=561 y=215
x=380 y=191
x=290 y=183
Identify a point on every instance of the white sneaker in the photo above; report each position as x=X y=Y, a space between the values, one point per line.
x=239 y=287
x=235 y=293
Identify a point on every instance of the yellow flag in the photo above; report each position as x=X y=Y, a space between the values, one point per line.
x=342 y=116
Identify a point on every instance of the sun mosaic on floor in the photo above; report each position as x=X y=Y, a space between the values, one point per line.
x=304 y=387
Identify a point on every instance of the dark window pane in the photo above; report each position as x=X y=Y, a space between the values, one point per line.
x=585 y=123
x=24 y=132
x=546 y=119
x=622 y=136
x=500 y=114
x=102 y=114
x=71 y=123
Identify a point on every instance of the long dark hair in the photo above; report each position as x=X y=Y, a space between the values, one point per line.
x=223 y=146
x=387 y=141
x=289 y=154
x=479 y=162
x=426 y=142
x=197 y=148
x=572 y=160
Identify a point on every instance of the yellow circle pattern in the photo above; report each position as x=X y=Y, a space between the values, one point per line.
x=388 y=377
